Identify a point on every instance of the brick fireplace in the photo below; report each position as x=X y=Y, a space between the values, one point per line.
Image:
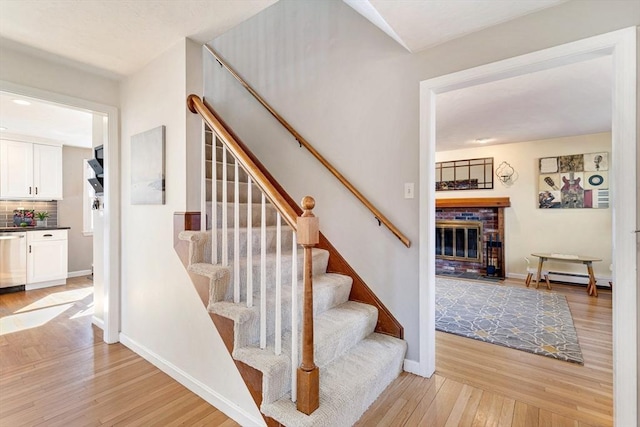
x=470 y=235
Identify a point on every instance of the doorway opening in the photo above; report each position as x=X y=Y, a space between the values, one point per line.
x=106 y=233
x=621 y=46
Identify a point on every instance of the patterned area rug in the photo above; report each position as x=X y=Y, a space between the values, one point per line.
x=525 y=319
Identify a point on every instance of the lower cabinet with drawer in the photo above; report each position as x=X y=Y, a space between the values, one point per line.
x=46 y=258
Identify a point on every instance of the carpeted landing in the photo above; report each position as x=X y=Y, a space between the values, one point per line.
x=531 y=320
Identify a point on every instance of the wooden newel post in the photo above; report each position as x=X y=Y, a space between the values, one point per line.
x=308 y=383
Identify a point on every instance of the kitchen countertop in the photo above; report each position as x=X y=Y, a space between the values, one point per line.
x=19 y=229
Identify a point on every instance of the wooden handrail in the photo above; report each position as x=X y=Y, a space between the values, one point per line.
x=303 y=142
x=360 y=291
x=196 y=106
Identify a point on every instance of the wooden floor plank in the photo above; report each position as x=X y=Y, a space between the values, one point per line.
x=512 y=388
x=63 y=374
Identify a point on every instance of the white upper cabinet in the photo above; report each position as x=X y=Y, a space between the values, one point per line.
x=47 y=171
x=30 y=171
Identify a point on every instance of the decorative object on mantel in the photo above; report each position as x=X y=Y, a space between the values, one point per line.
x=42 y=218
x=523 y=319
x=505 y=173
x=574 y=181
x=472 y=174
x=148 y=167
x=23 y=217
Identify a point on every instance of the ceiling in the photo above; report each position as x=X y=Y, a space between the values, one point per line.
x=421 y=24
x=45 y=121
x=119 y=37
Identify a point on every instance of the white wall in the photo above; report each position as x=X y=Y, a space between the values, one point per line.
x=25 y=69
x=353 y=93
x=162 y=316
x=529 y=229
x=70 y=208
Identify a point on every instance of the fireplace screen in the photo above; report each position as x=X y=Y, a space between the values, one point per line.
x=459 y=240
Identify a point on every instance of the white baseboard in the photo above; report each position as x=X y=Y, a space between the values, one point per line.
x=412 y=367
x=79 y=273
x=211 y=396
x=98 y=322
x=47 y=284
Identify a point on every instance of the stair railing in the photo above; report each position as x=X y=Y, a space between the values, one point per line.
x=305 y=231
x=304 y=143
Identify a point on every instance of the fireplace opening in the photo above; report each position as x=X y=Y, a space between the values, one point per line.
x=459 y=240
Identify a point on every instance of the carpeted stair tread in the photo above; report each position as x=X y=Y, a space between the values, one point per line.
x=218 y=275
x=348 y=385
x=329 y=290
x=335 y=332
x=209 y=270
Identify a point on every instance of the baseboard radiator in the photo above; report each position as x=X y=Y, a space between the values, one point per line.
x=579 y=279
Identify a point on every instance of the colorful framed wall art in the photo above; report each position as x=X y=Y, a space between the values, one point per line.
x=576 y=181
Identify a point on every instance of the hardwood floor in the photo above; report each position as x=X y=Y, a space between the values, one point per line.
x=61 y=373
x=480 y=384
x=56 y=371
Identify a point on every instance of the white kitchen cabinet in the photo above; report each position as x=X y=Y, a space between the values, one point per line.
x=30 y=171
x=46 y=258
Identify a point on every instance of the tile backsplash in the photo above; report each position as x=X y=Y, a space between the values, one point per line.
x=8 y=206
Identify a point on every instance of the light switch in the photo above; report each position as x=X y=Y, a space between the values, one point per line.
x=408 y=190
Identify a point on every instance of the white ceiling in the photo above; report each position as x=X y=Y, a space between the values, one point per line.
x=45 y=121
x=571 y=100
x=120 y=36
x=116 y=38
x=420 y=24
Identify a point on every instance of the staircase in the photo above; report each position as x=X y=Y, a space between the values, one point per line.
x=253 y=267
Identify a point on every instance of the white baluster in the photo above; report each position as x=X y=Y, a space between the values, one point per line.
x=225 y=248
x=294 y=318
x=236 y=234
x=203 y=181
x=263 y=275
x=278 y=326
x=249 y=246
x=214 y=200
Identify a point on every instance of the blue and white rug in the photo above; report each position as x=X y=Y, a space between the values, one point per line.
x=530 y=320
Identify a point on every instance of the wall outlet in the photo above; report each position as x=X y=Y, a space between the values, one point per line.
x=408 y=190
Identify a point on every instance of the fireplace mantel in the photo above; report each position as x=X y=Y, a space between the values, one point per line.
x=474 y=202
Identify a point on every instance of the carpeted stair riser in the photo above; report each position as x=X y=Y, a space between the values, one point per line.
x=320 y=259
x=348 y=385
x=329 y=290
x=256 y=215
x=336 y=331
x=256 y=239
x=230 y=158
x=270 y=240
x=256 y=195
x=231 y=172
